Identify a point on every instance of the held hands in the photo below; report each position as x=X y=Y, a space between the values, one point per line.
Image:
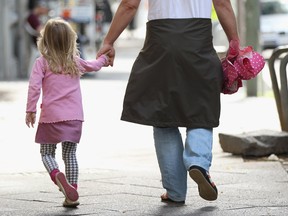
x=109 y=51
x=30 y=119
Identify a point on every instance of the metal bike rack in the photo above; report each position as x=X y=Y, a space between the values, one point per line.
x=280 y=92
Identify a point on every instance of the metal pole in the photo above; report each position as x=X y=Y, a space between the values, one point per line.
x=3 y=39
x=252 y=36
x=241 y=21
x=22 y=47
x=8 y=63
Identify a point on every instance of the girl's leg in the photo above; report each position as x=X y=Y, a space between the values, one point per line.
x=48 y=158
x=169 y=150
x=71 y=164
x=48 y=152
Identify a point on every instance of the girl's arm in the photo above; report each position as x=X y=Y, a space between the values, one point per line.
x=35 y=85
x=34 y=91
x=30 y=119
x=92 y=65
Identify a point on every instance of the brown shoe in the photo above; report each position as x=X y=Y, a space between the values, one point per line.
x=166 y=199
x=206 y=187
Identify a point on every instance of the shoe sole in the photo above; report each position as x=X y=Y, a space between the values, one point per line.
x=70 y=204
x=68 y=190
x=206 y=191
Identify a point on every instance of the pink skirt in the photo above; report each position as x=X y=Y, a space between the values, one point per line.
x=53 y=133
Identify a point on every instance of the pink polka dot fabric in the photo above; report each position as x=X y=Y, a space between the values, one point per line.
x=240 y=64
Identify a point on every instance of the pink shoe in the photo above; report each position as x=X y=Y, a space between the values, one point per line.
x=68 y=190
x=69 y=204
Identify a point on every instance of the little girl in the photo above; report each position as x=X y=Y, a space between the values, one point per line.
x=57 y=72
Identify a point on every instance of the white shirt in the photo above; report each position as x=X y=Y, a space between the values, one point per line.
x=177 y=9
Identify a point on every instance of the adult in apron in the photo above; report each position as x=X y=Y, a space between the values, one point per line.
x=176 y=82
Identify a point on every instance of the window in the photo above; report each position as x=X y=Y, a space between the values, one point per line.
x=274 y=7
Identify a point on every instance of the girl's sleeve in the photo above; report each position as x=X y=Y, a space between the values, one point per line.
x=92 y=65
x=35 y=85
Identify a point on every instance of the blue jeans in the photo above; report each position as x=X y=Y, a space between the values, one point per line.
x=174 y=160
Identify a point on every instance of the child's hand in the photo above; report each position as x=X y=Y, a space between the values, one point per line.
x=106 y=60
x=30 y=119
x=106 y=57
x=109 y=51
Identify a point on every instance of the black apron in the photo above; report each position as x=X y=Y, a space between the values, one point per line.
x=177 y=77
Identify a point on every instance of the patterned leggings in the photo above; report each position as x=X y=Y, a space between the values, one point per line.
x=48 y=152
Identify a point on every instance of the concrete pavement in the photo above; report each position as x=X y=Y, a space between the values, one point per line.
x=119 y=174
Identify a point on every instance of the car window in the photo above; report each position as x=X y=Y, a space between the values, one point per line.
x=274 y=7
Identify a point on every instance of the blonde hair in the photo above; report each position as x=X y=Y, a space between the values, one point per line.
x=57 y=44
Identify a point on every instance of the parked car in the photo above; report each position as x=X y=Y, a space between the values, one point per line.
x=273 y=23
x=273 y=26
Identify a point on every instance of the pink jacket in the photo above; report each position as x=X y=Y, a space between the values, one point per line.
x=61 y=94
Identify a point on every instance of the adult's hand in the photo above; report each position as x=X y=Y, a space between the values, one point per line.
x=109 y=51
x=123 y=16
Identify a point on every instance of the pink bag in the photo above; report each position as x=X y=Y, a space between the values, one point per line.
x=240 y=64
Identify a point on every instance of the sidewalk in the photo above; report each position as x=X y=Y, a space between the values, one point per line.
x=245 y=188
x=119 y=174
